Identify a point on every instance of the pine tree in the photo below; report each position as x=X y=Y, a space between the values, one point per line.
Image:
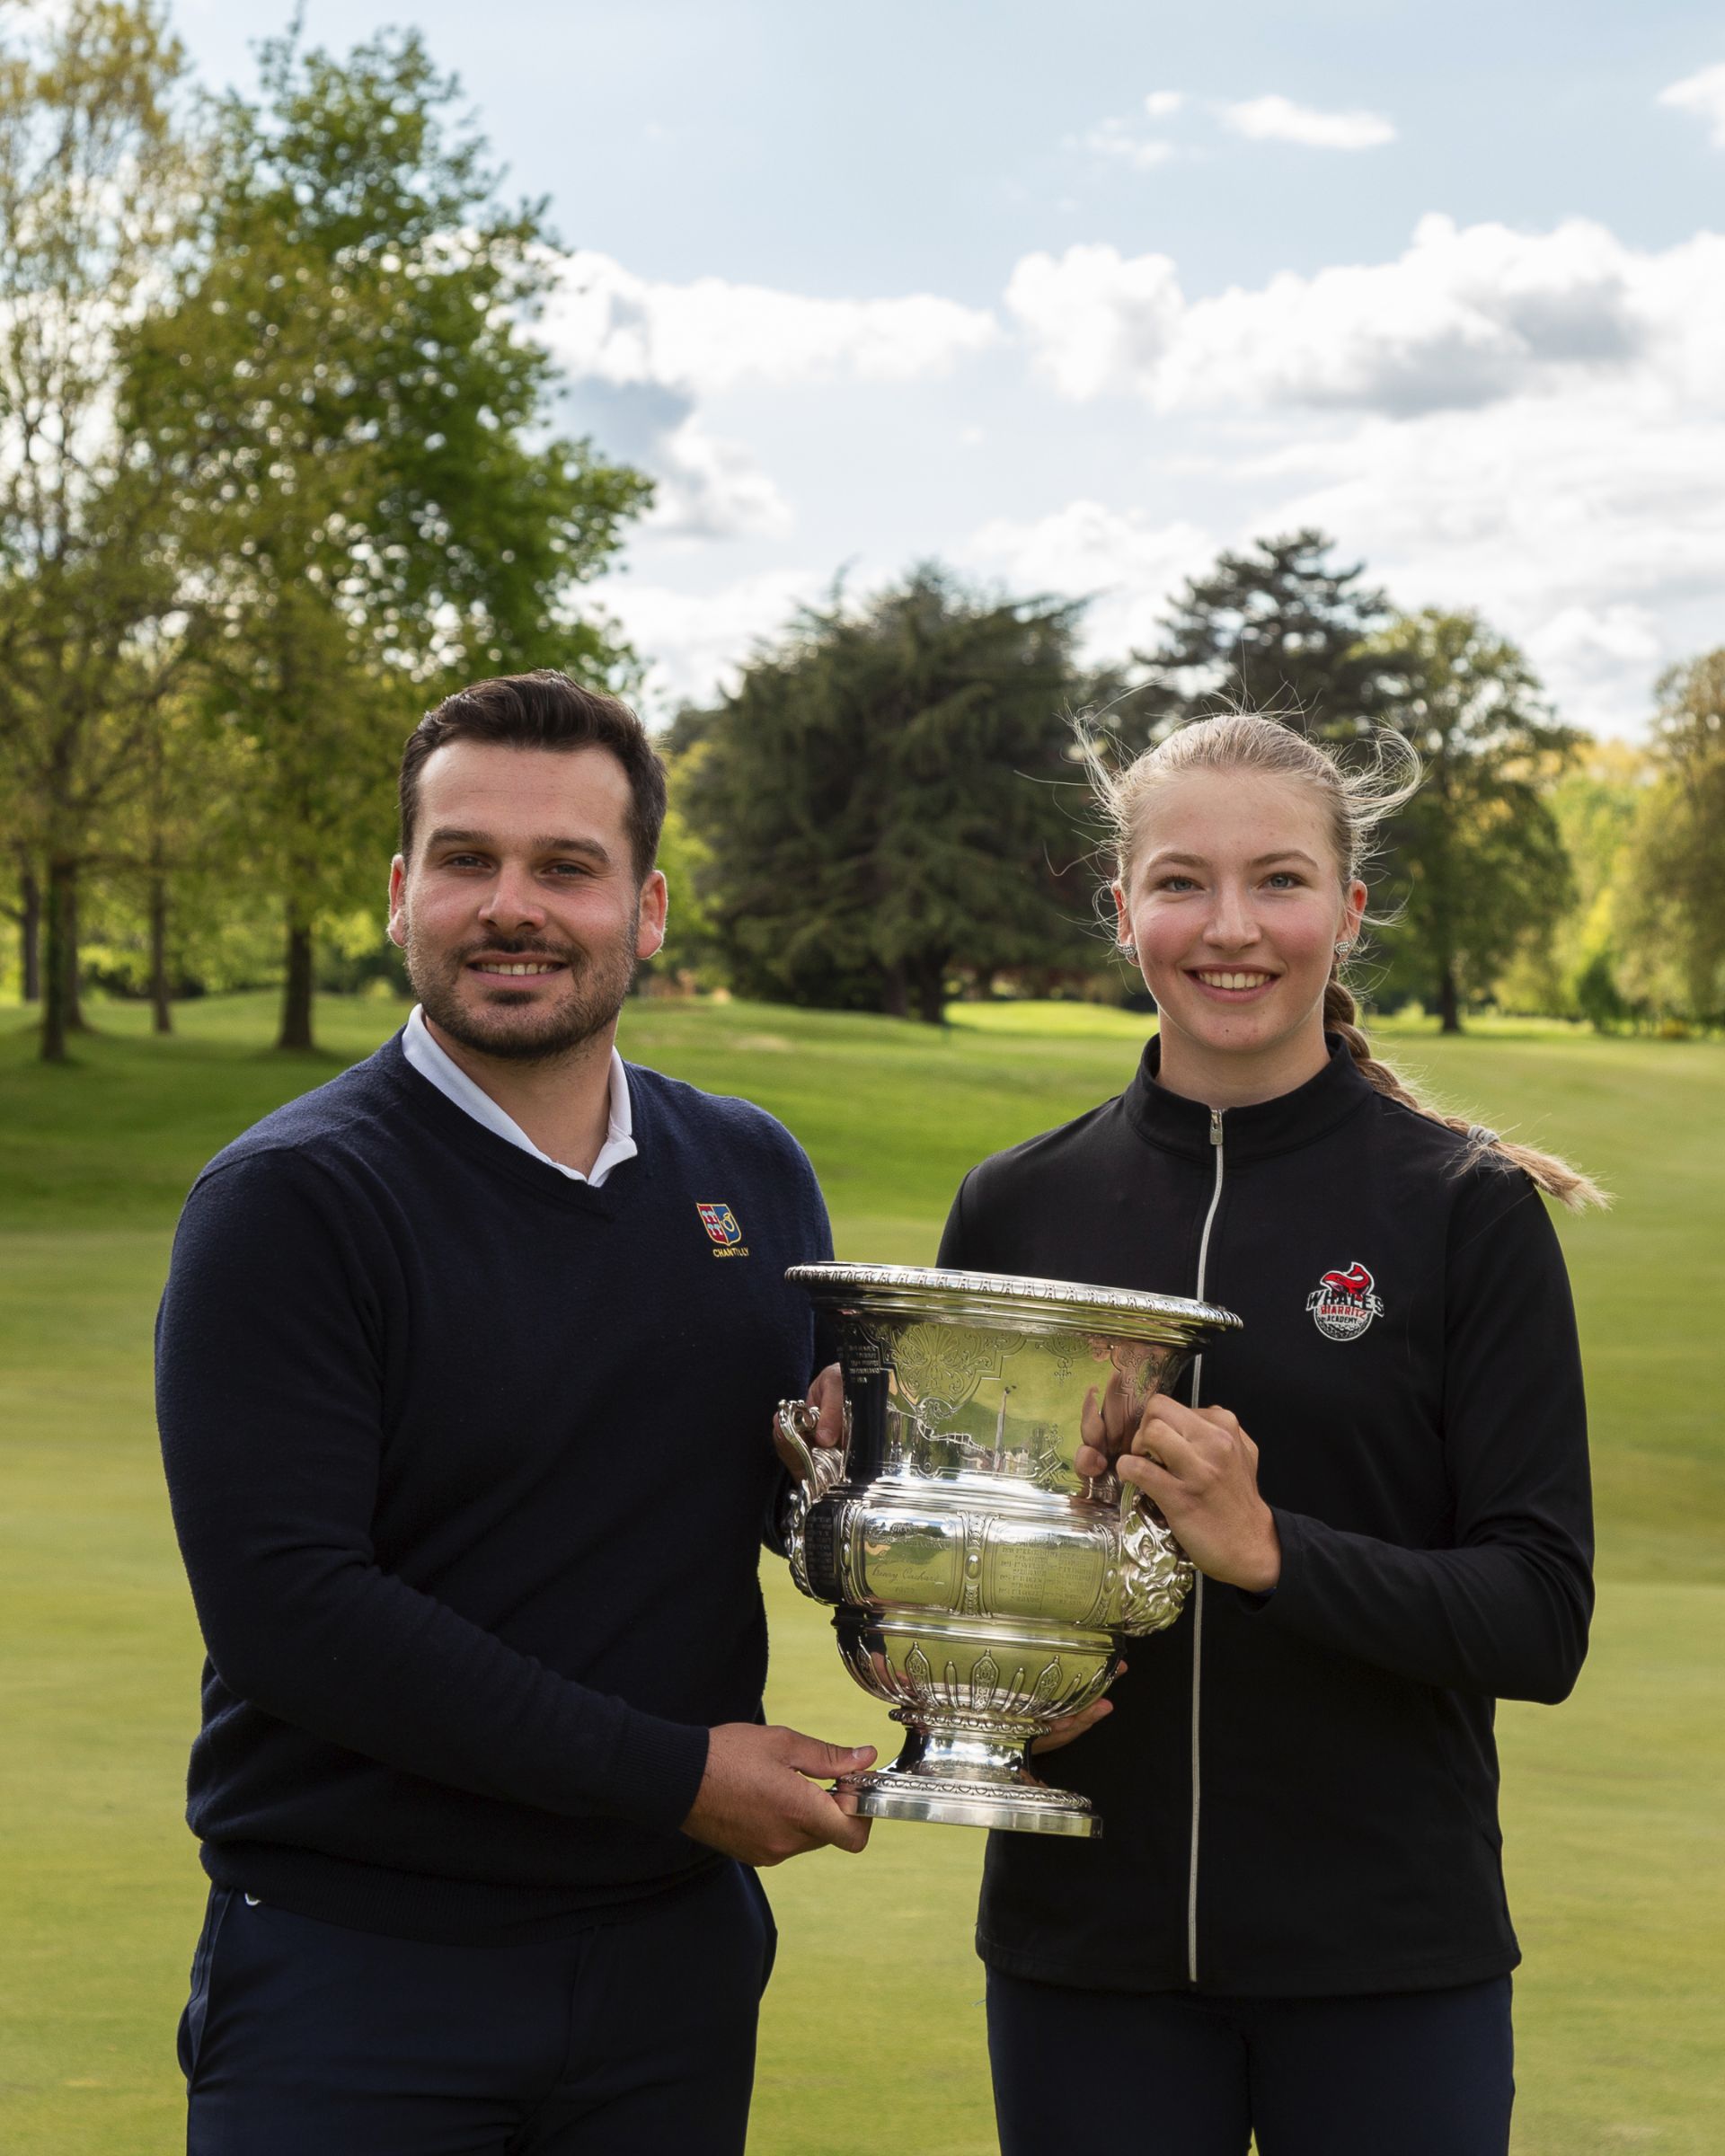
x=1276 y=630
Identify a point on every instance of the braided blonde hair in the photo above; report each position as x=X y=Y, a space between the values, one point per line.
x=1359 y=798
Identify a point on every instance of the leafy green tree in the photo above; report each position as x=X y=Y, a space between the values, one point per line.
x=1598 y=998
x=888 y=795
x=171 y=861
x=347 y=389
x=1671 y=897
x=1480 y=867
x=1277 y=628
x=1574 y=972
x=97 y=179
x=25 y=914
x=691 y=950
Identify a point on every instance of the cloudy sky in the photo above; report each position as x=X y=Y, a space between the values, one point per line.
x=1072 y=297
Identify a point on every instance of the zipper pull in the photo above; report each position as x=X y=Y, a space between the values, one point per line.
x=1216 y=1127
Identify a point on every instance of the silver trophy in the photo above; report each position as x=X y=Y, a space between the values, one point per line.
x=984 y=1588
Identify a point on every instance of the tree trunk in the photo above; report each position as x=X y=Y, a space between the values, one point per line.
x=75 y=1021
x=55 y=953
x=30 y=933
x=895 y=996
x=161 y=1015
x=1449 y=1008
x=931 y=995
x=296 y=994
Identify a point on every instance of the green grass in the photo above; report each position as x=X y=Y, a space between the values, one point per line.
x=872 y=2027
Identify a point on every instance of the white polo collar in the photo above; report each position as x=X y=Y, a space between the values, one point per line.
x=438 y=1068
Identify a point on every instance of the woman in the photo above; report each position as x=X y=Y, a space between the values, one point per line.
x=1295 y=1920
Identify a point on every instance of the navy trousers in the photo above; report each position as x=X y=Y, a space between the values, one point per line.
x=1181 y=2073
x=303 y=2038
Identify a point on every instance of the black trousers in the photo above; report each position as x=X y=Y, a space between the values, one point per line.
x=303 y=2038
x=1182 y=2073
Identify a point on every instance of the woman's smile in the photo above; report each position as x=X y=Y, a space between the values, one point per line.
x=1232 y=985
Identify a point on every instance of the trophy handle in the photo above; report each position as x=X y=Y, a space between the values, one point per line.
x=816 y=1467
x=1155 y=1572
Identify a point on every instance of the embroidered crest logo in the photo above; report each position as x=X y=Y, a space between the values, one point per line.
x=720 y=1224
x=1342 y=1305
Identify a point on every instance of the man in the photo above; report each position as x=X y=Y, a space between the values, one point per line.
x=466 y=1365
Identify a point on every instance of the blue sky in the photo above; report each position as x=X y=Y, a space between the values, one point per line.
x=1072 y=298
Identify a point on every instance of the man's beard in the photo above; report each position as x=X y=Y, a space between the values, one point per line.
x=512 y=1029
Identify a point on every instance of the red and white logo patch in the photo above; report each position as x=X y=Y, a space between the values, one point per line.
x=1343 y=1304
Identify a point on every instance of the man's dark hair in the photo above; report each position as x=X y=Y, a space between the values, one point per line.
x=544 y=710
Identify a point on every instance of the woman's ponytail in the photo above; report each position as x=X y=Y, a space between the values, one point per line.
x=1553 y=1176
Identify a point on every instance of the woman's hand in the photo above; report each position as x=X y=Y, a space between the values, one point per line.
x=1201 y=1467
x=1061 y=1733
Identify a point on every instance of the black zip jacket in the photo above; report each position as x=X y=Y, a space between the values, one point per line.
x=1299 y=1790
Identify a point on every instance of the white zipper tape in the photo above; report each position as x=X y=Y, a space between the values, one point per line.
x=1197 y=1589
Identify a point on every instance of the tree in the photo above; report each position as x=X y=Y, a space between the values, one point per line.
x=345 y=388
x=26 y=915
x=1480 y=870
x=1598 y=998
x=174 y=850
x=691 y=950
x=1276 y=629
x=882 y=797
x=1595 y=804
x=1671 y=897
x=96 y=179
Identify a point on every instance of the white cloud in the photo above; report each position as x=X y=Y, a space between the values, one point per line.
x=1162 y=104
x=1115 y=139
x=1532 y=425
x=696 y=642
x=709 y=335
x=1465 y=317
x=1703 y=93
x=708 y=488
x=1096 y=321
x=1280 y=120
x=1592 y=527
x=639 y=354
x=1125 y=565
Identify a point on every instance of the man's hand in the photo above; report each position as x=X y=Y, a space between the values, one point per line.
x=826 y=1399
x=756 y=1802
x=1201 y=1467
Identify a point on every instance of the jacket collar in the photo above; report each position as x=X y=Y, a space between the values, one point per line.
x=1183 y=1126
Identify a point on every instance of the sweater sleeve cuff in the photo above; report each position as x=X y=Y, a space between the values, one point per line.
x=1290 y=1534
x=657 y=1774
x=773 y=1519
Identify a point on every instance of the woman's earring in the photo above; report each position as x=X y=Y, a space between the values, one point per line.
x=1129 y=951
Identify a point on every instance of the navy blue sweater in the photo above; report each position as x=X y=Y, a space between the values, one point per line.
x=469 y=1464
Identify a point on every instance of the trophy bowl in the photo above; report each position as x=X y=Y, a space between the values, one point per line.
x=983 y=1587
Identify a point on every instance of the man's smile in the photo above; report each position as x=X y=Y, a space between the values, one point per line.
x=513 y=970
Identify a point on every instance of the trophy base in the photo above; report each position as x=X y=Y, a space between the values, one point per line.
x=1028 y=1808
x=966 y=1775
